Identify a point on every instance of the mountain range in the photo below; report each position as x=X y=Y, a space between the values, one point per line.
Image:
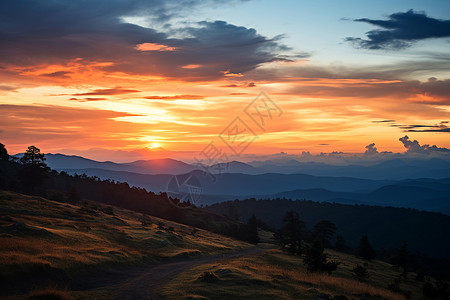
x=412 y=183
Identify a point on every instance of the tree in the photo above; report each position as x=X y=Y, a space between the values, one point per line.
x=252 y=225
x=74 y=195
x=401 y=259
x=341 y=244
x=324 y=231
x=290 y=235
x=3 y=152
x=364 y=249
x=316 y=260
x=34 y=170
x=34 y=157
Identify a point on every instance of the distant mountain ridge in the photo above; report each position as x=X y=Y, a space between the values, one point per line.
x=395 y=169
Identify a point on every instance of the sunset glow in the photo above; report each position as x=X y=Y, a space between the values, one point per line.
x=131 y=86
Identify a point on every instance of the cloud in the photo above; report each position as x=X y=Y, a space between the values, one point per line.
x=401 y=30
x=441 y=127
x=243 y=85
x=7 y=88
x=107 y=92
x=37 y=33
x=175 y=97
x=383 y=121
x=58 y=74
x=415 y=147
x=48 y=126
x=87 y=99
x=371 y=149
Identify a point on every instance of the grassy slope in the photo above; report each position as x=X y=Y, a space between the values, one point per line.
x=44 y=238
x=276 y=275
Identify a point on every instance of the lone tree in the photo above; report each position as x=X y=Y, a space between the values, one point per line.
x=364 y=249
x=34 y=170
x=3 y=152
x=290 y=234
x=316 y=260
x=324 y=231
x=34 y=157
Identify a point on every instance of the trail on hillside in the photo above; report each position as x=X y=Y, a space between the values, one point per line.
x=144 y=283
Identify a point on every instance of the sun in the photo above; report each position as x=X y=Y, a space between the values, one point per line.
x=155 y=145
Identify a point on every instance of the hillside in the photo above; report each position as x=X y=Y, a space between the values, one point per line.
x=44 y=241
x=277 y=275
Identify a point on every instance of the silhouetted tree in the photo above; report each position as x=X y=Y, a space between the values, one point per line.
x=323 y=231
x=316 y=260
x=34 y=157
x=290 y=234
x=74 y=195
x=233 y=213
x=3 y=152
x=341 y=244
x=34 y=170
x=252 y=227
x=401 y=259
x=364 y=249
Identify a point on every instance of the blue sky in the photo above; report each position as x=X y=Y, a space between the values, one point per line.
x=320 y=27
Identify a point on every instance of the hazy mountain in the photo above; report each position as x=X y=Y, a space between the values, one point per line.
x=426 y=195
x=241 y=184
x=394 y=169
x=61 y=161
x=153 y=166
x=160 y=166
x=235 y=167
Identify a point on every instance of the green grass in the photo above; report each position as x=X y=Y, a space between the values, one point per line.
x=274 y=274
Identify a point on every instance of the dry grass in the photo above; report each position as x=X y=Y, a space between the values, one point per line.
x=277 y=274
x=38 y=235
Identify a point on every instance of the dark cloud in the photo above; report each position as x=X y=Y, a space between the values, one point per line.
x=87 y=99
x=176 y=97
x=415 y=147
x=441 y=127
x=114 y=91
x=7 y=88
x=243 y=85
x=59 y=74
x=33 y=33
x=401 y=29
x=383 y=121
x=371 y=149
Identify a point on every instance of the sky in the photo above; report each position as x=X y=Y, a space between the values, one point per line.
x=119 y=80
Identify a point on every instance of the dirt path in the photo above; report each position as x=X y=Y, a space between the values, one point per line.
x=144 y=284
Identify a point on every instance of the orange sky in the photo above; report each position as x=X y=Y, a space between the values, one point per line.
x=73 y=103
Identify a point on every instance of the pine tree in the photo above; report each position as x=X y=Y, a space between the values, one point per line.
x=364 y=249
